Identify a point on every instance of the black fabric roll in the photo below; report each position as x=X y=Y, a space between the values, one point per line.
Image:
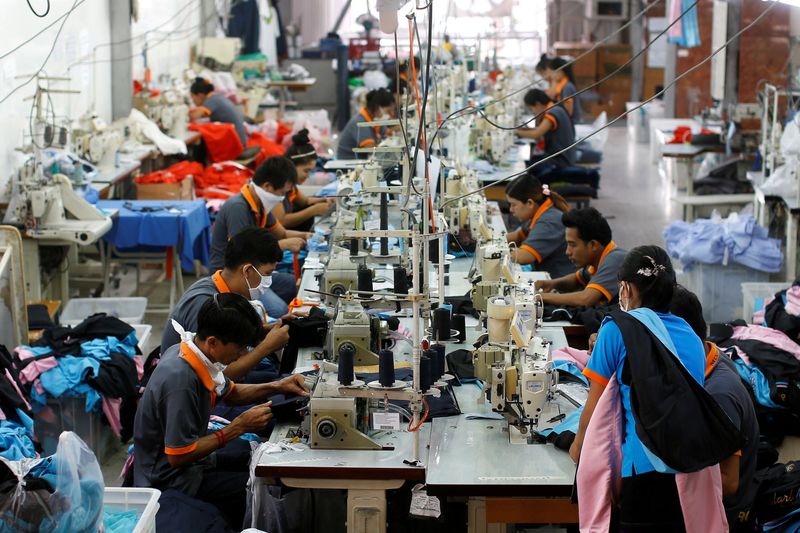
x=346 y=358
x=425 y=374
x=438 y=349
x=386 y=368
x=458 y=322
x=441 y=324
x=384 y=222
x=353 y=247
x=400 y=280
x=364 y=280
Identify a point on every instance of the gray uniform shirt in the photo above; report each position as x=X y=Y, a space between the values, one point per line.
x=172 y=415
x=221 y=109
x=560 y=136
x=604 y=279
x=234 y=216
x=353 y=136
x=567 y=91
x=186 y=311
x=545 y=239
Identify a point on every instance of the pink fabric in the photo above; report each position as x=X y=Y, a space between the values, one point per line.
x=16 y=388
x=673 y=12
x=38 y=385
x=770 y=336
x=23 y=353
x=793 y=301
x=599 y=480
x=111 y=410
x=139 y=366
x=35 y=368
x=578 y=357
x=2 y=415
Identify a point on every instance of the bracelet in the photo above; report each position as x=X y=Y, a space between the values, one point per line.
x=220 y=438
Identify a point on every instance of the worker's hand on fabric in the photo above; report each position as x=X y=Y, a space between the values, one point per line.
x=254 y=419
x=293 y=244
x=294 y=384
x=592 y=342
x=290 y=316
x=277 y=337
x=321 y=209
x=544 y=285
x=308 y=235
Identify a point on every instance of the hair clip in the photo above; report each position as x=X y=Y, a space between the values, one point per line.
x=546 y=190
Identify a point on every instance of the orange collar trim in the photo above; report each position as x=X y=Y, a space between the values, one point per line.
x=198 y=366
x=547 y=204
x=219 y=282
x=261 y=217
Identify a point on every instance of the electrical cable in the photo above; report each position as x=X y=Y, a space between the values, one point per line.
x=30 y=39
x=43 y=15
x=674 y=82
x=75 y=5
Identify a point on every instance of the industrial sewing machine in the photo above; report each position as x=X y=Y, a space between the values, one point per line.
x=95 y=141
x=352 y=328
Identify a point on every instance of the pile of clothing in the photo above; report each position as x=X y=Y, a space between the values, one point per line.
x=97 y=360
x=16 y=422
x=737 y=238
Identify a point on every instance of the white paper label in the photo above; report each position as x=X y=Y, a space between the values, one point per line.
x=370 y=225
x=386 y=421
x=424 y=505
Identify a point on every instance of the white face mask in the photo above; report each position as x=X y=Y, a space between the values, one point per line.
x=268 y=200
x=259 y=290
x=624 y=304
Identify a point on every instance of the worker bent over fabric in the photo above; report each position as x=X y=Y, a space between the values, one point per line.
x=173 y=448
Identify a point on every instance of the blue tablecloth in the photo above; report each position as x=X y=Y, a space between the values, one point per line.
x=142 y=224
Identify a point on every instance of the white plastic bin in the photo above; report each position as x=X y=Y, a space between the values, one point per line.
x=755 y=294
x=143 y=335
x=716 y=287
x=130 y=310
x=145 y=501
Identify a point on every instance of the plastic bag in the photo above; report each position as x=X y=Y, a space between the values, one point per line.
x=790 y=140
x=598 y=141
x=782 y=182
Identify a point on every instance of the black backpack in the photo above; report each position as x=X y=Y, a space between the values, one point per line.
x=778 y=493
x=676 y=419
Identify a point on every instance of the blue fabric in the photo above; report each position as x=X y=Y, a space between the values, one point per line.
x=69 y=379
x=570 y=368
x=690 y=31
x=119 y=521
x=15 y=441
x=738 y=238
x=80 y=515
x=328 y=190
x=790 y=523
x=609 y=355
x=214 y=425
x=101 y=349
x=758 y=383
x=47 y=469
x=570 y=423
x=184 y=224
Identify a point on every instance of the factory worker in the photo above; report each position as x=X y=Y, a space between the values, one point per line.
x=540 y=239
x=252 y=207
x=250 y=260
x=379 y=106
x=591 y=249
x=215 y=107
x=297 y=211
x=173 y=448
x=554 y=127
x=562 y=87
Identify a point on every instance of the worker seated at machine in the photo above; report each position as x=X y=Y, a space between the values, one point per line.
x=215 y=107
x=296 y=211
x=540 y=239
x=554 y=127
x=252 y=207
x=173 y=448
x=562 y=87
x=591 y=249
x=379 y=106
x=250 y=260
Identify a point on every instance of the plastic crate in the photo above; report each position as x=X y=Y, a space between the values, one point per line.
x=145 y=501
x=130 y=310
x=755 y=294
x=68 y=413
x=143 y=334
x=719 y=289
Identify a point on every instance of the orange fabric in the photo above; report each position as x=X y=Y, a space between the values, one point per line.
x=712 y=357
x=601 y=289
x=222 y=180
x=173 y=174
x=261 y=217
x=579 y=278
x=268 y=147
x=366 y=142
x=535 y=254
x=552 y=119
x=221 y=140
x=283 y=131
x=198 y=366
x=594 y=376
x=181 y=451
x=219 y=283
x=368 y=118
x=609 y=247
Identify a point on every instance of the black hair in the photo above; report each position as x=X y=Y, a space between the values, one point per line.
x=686 y=304
x=590 y=224
x=649 y=268
x=201 y=86
x=252 y=245
x=378 y=98
x=276 y=171
x=230 y=318
x=537 y=96
x=405 y=64
x=528 y=187
x=544 y=62
x=301 y=151
x=560 y=63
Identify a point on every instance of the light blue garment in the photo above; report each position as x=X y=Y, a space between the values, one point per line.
x=118 y=520
x=15 y=441
x=570 y=368
x=101 y=349
x=690 y=32
x=758 y=383
x=69 y=379
x=570 y=423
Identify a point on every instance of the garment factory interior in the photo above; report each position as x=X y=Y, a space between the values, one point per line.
x=375 y=266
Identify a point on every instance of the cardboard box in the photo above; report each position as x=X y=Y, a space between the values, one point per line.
x=585 y=67
x=183 y=190
x=612 y=56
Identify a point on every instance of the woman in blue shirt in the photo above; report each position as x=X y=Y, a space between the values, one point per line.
x=540 y=239
x=649 y=499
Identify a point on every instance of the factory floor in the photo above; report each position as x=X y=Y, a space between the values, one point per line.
x=632 y=196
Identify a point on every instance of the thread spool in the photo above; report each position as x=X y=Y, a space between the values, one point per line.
x=353 y=247
x=433 y=251
x=430 y=353
x=384 y=223
x=400 y=280
x=364 y=281
x=459 y=323
x=346 y=358
x=440 y=360
x=425 y=377
x=441 y=324
x=386 y=368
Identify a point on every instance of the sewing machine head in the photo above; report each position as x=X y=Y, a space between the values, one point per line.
x=353 y=328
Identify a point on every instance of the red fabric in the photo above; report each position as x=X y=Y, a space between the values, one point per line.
x=268 y=147
x=683 y=135
x=221 y=140
x=222 y=180
x=283 y=131
x=174 y=174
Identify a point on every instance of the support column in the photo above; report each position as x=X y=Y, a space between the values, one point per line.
x=732 y=53
x=208 y=18
x=637 y=32
x=121 y=64
x=669 y=76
